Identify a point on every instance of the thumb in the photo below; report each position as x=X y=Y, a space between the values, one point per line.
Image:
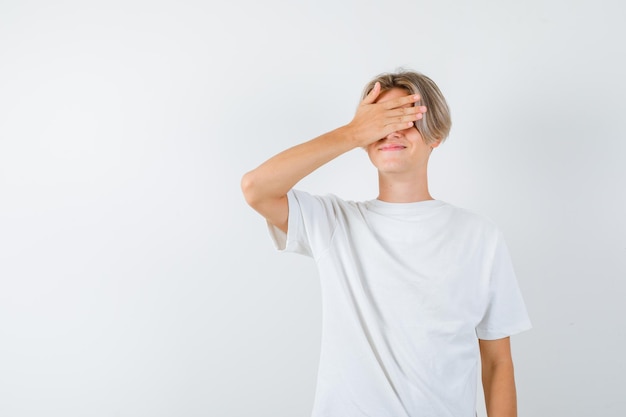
x=372 y=95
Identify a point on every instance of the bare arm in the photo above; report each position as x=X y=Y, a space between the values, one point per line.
x=498 y=378
x=265 y=188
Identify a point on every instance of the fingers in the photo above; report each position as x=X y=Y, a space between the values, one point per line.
x=372 y=95
x=401 y=101
x=404 y=114
x=396 y=127
x=374 y=120
x=402 y=111
x=403 y=121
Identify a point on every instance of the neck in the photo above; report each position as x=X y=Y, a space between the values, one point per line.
x=398 y=188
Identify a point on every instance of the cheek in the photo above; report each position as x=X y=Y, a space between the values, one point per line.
x=418 y=135
x=371 y=153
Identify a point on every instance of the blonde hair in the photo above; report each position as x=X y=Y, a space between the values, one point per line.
x=436 y=123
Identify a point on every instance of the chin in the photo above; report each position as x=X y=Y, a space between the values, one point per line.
x=392 y=168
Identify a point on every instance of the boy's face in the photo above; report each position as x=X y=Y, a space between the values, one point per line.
x=403 y=151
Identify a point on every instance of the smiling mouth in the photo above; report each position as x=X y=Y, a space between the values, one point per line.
x=391 y=148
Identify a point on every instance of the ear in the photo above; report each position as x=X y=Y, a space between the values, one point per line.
x=434 y=144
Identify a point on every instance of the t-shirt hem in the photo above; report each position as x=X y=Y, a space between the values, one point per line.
x=500 y=334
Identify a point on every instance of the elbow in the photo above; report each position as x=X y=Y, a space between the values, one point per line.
x=258 y=191
x=249 y=189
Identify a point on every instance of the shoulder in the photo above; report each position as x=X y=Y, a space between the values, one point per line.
x=476 y=221
x=328 y=199
x=329 y=205
x=328 y=202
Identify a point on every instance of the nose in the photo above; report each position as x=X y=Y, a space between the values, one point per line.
x=394 y=135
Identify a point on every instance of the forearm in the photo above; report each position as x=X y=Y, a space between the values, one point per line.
x=499 y=389
x=276 y=176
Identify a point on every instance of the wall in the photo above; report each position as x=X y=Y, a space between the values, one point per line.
x=135 y=281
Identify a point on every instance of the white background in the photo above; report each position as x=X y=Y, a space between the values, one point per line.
x=134 y=280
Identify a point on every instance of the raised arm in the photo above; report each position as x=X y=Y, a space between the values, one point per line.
x=265 y=187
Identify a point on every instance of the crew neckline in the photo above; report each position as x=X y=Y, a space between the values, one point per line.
x=416 y=207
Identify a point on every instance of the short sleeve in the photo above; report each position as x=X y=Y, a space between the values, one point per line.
x=506 y=312
x=310 y=225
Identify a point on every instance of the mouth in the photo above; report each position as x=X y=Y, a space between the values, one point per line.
x=392 y=147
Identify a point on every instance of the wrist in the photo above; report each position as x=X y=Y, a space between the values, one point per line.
x=351 y=136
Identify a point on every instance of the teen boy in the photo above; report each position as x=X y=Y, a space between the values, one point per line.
x=415 y=291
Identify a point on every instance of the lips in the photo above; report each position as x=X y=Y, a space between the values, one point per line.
x=392 y=147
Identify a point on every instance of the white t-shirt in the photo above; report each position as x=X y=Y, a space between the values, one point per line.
x=407 y=290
